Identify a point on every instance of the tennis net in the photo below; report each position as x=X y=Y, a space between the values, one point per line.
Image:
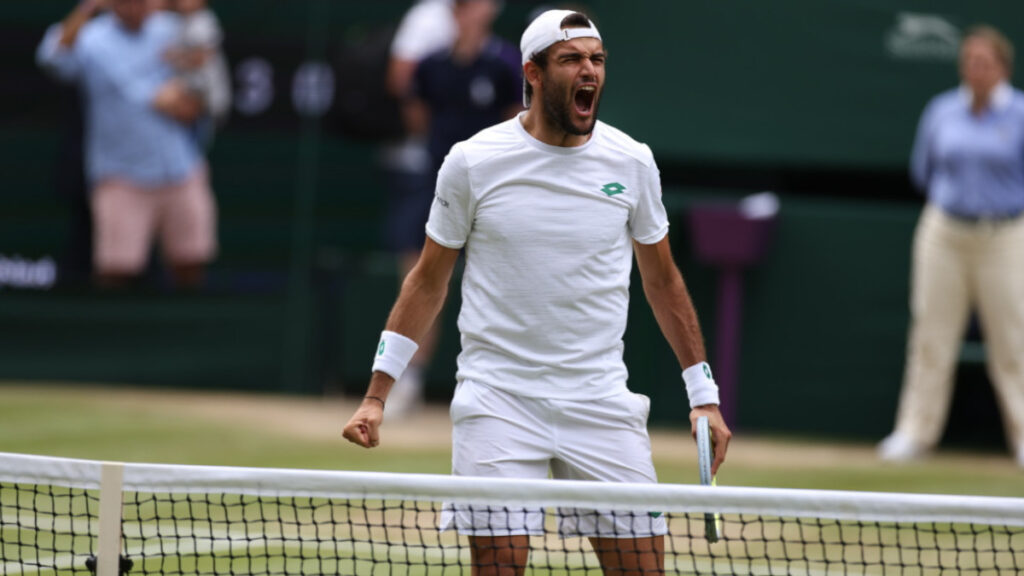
x=67 y=516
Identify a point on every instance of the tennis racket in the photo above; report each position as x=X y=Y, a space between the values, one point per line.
x=705 y=456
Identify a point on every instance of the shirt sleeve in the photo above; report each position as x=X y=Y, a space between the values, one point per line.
x=648 y=221
x=451 y=214
x=58 y=60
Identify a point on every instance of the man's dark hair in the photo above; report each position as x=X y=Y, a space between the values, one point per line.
x=574 y=20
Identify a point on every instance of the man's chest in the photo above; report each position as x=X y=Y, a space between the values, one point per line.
x=581 y=210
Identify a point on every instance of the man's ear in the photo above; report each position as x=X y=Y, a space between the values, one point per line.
x=533 y=74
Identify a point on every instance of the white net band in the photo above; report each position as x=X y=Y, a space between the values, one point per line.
x=56 y=514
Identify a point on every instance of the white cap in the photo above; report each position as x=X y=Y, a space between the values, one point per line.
x=546 y=29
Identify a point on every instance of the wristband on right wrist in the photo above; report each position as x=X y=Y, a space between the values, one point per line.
x=394 y=352
x=700 y=386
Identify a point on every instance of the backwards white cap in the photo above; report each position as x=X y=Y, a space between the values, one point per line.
x=545 y=30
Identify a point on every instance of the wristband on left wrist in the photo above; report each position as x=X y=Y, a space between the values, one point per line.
x=700 y=385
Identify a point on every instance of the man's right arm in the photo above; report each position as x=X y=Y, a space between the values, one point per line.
x=419 y=302
x=73 y=22
x=55 y=51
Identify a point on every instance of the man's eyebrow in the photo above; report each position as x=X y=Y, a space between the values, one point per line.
x=580 y=53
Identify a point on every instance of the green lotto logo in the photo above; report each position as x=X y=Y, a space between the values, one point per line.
x=613 y=188
x=380 y=349
x=707 y=369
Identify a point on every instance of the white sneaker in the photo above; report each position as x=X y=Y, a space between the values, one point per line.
x=897 y=447
x=406 y=395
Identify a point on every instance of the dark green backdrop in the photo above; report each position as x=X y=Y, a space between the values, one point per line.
x=302 y=285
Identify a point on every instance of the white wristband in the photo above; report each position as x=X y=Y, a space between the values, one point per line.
x=700 y=386
x=394 y=352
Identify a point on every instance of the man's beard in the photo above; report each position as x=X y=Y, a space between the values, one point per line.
x=558 y=111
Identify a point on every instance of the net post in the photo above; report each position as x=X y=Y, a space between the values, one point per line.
x=108 y=548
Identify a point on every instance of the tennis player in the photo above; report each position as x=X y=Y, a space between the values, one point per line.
x=550 y=208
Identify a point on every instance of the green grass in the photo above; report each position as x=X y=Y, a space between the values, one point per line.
x=84 y=422
x=126 y=424
x=101 y=423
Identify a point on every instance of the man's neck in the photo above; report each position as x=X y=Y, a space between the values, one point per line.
x=540 y=127
x=980 y=100
x=993 y=98
x=130 y=29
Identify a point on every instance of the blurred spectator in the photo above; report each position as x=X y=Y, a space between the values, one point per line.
x=969 y=246
x=427 y=27
x=144 y=168
x=454 y=93
x=475 y=84
x=202 y=65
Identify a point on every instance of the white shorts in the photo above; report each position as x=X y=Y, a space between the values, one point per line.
x=501 y=435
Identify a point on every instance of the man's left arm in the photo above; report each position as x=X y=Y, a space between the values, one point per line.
x=669 y=299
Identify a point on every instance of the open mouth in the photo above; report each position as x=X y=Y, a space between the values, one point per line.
x=584 y=99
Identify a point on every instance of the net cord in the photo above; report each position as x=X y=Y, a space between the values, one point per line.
x=677 y=498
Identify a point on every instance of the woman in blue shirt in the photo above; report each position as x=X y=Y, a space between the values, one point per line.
x=968 y=253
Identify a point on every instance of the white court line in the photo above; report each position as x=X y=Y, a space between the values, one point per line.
x=74 y=562
x=57 y=524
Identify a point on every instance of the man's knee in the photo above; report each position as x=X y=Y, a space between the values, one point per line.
x=631 y=556
x=499 y=555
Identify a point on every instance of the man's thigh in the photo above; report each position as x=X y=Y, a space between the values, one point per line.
x=188 y=223
x=498 y=435
x=604 y=439
x=123 y=226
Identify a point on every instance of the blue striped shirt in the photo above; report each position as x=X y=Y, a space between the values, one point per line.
x=121 y=71
x=972 y=165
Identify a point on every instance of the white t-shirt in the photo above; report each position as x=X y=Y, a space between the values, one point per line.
x=548 y=233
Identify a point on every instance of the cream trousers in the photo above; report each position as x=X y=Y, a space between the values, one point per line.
x=959 y=267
